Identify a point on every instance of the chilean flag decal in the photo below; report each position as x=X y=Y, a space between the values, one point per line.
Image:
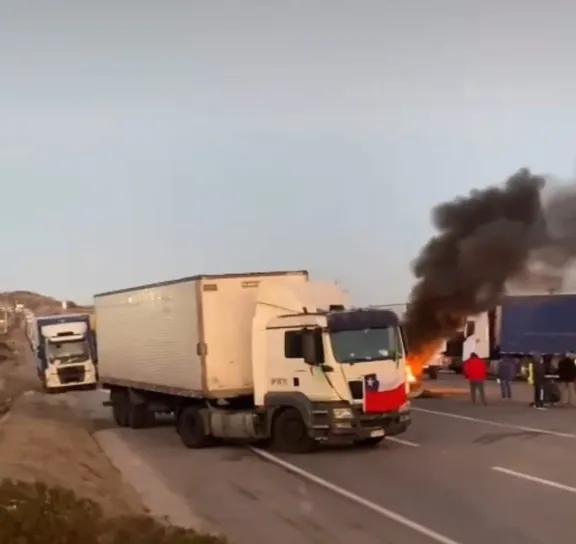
x=379 y=398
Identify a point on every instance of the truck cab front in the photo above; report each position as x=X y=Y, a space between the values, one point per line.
x=65 y=356
x=349 y=366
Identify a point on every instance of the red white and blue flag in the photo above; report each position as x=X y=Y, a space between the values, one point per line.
x=380 y=398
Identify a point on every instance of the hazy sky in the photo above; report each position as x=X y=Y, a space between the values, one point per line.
x=142 y=141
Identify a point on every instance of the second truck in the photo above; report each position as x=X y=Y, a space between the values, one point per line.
x=64 y=347
x=523 y=324
x=267 y=358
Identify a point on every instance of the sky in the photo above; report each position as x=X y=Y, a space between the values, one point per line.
x=143 y=141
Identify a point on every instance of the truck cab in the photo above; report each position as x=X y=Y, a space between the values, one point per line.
x=474 y=336
x=65 y=352
x=318 y=364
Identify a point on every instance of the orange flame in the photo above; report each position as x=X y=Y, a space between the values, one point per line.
x=417 y=361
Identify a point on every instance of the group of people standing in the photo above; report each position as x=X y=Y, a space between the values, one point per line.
x=545 y=375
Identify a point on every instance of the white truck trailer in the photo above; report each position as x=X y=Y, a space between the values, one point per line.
x=261 y=357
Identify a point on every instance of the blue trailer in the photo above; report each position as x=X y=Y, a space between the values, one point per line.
x=544 y=324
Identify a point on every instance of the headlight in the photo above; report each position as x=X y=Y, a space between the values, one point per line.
x=342 y=413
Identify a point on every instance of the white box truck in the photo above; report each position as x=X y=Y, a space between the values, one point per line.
x=265 y=357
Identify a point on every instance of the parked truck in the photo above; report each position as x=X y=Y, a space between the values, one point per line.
x=65 y=350
x=523 y=324
x=473 y=337
x=268 y=358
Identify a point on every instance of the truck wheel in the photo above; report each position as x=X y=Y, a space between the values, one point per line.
x=371 y=442
x=289 y=433
x=120 y=407
x=433 y=372
x=139 y=416
x=191 y=428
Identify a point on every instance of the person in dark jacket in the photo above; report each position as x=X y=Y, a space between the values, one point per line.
x=549 y=367
x=476 y=372
x=506 y=375
x=537 y=378
x=567 y=377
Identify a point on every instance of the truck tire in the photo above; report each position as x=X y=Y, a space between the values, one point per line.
x=433 y=372
x=191 y=428
x=120 y=407
x=290 y=434
x=139 y=417
x=371 y=442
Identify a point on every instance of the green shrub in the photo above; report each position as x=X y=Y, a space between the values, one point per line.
x=34 y=513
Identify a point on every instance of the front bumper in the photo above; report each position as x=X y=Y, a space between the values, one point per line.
x=70 y=375
x=359 y=426
x=392 y=423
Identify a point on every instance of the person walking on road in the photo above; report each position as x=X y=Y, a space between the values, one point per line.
x=537 y=379
x=567 y=377
x=476 y=372
x=506 y=375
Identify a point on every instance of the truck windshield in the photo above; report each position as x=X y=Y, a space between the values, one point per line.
x=76 y=350
x=357 y=346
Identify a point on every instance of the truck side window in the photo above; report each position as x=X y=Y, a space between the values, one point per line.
x=293 y=345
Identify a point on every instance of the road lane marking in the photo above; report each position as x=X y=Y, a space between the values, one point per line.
x=385 y=512
x=495 y=423
x=531 y=478
x=401 y=441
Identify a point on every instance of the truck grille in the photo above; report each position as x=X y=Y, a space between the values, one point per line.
x=356 y=389
x=71 y=375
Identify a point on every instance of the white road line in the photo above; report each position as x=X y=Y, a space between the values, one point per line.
x=496 y=423
x=403 y=442
x=530 y=478
x=398 y=518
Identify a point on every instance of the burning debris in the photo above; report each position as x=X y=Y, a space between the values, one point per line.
x=485 y=240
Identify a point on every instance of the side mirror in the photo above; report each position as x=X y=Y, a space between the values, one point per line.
x=309 y=347
x=470 y=328
x=312 y=346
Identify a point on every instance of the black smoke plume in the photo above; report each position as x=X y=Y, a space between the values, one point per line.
x=485 y=240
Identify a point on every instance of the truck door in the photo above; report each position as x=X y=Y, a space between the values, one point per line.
x=477 y=337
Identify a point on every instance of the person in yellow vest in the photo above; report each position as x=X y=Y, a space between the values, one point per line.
x=536 y=378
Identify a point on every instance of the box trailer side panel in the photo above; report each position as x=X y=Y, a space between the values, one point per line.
x=228 y=307
x=538 y=323
x=149 y=338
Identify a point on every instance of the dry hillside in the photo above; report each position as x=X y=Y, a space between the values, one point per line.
x=39 y=304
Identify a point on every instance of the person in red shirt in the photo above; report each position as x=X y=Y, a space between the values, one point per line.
x=475 y=371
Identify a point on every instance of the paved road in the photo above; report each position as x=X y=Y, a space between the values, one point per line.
x=462 y=475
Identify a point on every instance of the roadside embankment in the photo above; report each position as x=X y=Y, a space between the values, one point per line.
x=54 y=476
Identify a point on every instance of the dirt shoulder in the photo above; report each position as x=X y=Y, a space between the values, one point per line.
x=42 y=439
